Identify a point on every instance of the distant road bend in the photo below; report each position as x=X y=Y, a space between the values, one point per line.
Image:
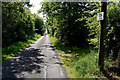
x=38 y=60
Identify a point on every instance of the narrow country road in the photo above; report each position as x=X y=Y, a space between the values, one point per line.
x=38 y=60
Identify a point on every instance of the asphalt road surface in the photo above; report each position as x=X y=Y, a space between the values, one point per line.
x=38 y=60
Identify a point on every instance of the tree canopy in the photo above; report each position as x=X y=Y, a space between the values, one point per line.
x=18 y=23
x=75 y=23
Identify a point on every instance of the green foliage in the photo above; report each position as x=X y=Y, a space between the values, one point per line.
x=94 y=29
x=76 y=24
x=86 y=66
x=18 y=24
x=39 y=25
x=113 y=29
x=68 y=21
x=79 y=62
x=11 y=50
x=112 y=40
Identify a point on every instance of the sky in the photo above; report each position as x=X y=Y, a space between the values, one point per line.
x=36 y=6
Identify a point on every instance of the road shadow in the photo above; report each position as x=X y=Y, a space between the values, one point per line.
x=26 y=62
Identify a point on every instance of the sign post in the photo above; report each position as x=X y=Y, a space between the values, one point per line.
x=102 y=18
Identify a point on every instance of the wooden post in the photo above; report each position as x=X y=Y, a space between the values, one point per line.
x=102 y=36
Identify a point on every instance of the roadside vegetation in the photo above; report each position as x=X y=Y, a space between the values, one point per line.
x=8 y=52
x=75 y=24
x=79 y=62
x=74 y=33
x=19 y=27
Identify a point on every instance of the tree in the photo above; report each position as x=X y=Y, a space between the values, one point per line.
x=70 y=18
x=39 y=25
x=18 y=23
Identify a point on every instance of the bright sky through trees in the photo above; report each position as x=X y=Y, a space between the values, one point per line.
x=36 y=6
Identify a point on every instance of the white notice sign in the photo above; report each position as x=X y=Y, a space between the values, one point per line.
x=100 y=16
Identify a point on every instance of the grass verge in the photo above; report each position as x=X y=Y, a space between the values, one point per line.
x=79 y=62
x=11 y=50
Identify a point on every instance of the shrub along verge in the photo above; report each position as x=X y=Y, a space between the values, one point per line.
x=79 y=62
x=11 y=50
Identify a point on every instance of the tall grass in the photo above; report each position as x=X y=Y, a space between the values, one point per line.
x=86 y=66
x=79 y=62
